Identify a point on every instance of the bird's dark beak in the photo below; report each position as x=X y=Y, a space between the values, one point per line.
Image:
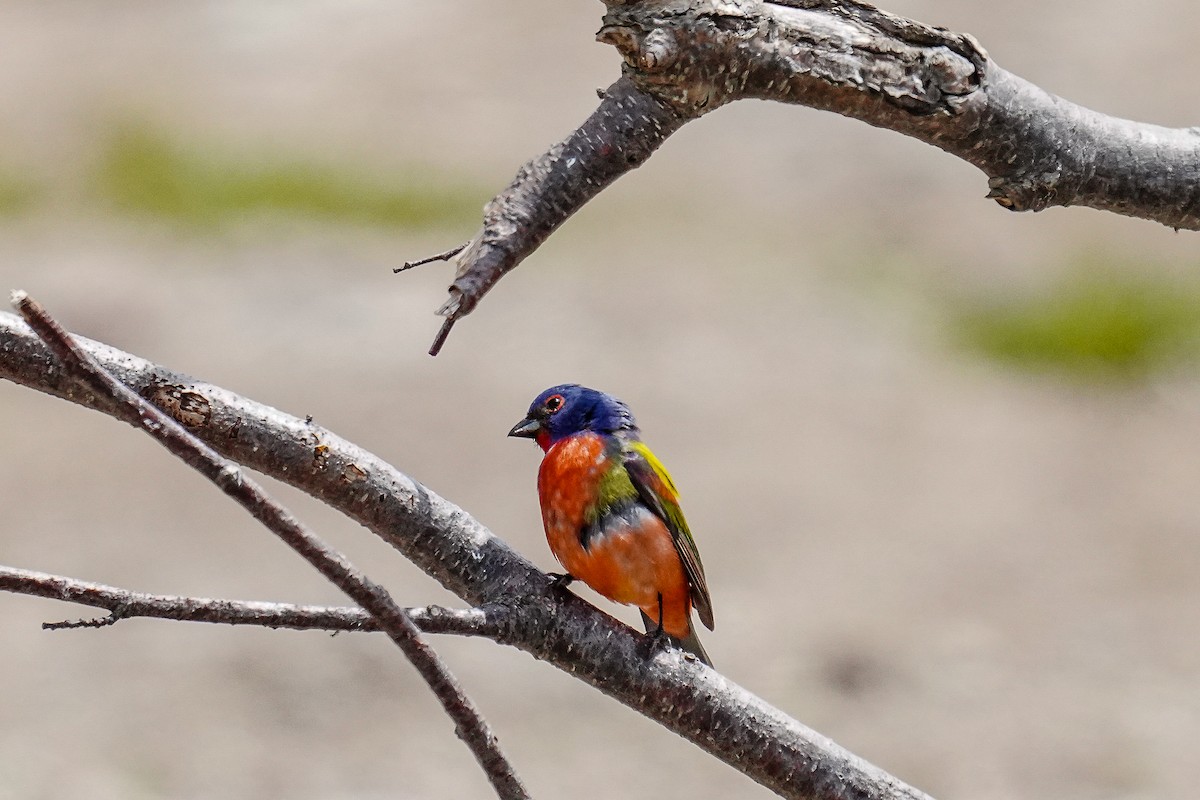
x=526 y=429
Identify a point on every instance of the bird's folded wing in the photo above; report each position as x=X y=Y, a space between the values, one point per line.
x=658 y=491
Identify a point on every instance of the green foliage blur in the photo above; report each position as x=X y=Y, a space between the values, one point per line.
x=1096 y=323
x=15 y=195
x=1100 y=322
x=143 y=170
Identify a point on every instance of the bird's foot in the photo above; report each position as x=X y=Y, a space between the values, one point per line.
x=656 y=641
x=560 y=580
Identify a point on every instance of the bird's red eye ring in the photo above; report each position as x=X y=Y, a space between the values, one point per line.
x=553 y=403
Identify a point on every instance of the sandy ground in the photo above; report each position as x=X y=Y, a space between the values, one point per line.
x=984 y=582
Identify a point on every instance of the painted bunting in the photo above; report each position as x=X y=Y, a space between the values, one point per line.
x=612 y=514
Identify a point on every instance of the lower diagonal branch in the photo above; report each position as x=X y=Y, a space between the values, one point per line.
x=228 y=476
x=447 y=543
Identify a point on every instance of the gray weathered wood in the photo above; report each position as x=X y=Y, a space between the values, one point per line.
x=683 y=58
x=550 y=624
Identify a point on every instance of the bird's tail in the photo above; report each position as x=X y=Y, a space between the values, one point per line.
x=690 y=643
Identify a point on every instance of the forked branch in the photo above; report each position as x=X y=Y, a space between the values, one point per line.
x=80 y=368
x=683 y=58
x=555 y=626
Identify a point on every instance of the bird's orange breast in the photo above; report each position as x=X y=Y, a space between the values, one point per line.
x=632 y=559
x=568 y=487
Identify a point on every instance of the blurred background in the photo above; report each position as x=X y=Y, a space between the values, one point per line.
x=941 y=459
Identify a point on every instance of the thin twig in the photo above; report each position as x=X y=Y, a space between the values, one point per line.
x=443 y=256
x=126 y=604
x=446 y=255
x=114 y=616
x=469 y=724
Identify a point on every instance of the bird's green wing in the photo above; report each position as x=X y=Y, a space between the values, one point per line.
x=658 y=492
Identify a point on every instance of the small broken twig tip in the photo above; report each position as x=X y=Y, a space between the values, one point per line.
x=445 y=256
x=98 y=622
x=440 y=339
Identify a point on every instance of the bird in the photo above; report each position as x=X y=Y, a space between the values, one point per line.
x=611 y=512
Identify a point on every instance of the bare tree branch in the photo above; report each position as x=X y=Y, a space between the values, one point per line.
x=552 y=625
x=125 y=604
x=683 y=58
x=628 y=126
x=229 y=477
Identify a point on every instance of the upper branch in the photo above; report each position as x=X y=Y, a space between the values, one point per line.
x=1038 y=150
x=683 y=695
x=627 y=127
x=683 y=58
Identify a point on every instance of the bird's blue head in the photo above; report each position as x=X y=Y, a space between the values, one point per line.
x=568 y=409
